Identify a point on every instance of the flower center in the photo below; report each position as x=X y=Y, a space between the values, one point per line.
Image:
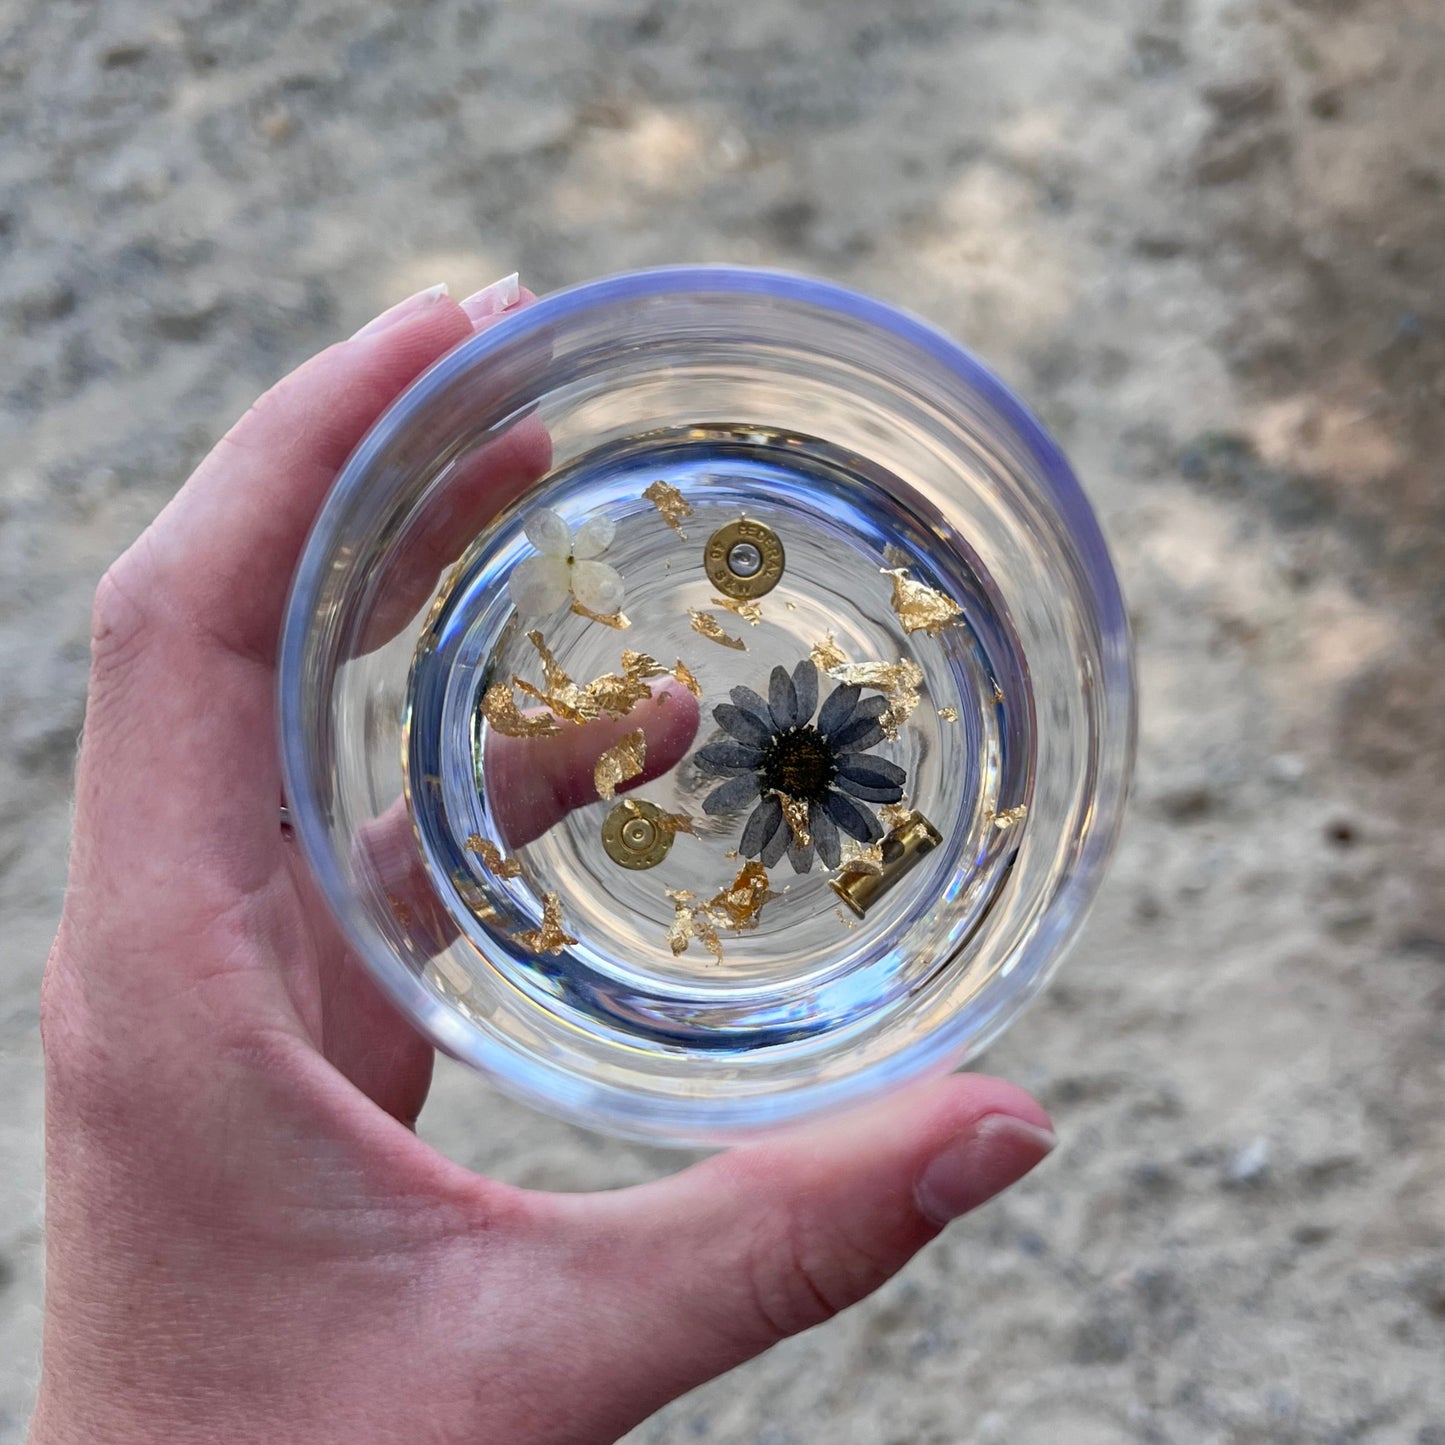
x=799 y=763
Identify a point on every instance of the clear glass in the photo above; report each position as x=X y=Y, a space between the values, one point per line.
x=954 y=657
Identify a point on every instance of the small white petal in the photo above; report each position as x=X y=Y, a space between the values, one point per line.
x=594 y=537
x=539 y=585
x=548 y=533
x=597 y=586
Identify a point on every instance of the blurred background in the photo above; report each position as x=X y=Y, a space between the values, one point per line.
x=1206 y=240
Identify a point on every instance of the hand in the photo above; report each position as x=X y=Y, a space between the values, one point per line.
x=246 y=1241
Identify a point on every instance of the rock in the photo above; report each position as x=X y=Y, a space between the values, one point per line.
x=1102 y=1338
x=1244 y=99
x=1249 y=1165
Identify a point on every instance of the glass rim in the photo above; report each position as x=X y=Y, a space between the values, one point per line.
x=621 y=1110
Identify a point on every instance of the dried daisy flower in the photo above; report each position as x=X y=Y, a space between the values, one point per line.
x=813 y=778
x=565 y=567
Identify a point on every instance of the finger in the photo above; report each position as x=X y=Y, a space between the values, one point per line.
x=482 y=483
x=701 y=1271
x=180 y=738
x=533 y=783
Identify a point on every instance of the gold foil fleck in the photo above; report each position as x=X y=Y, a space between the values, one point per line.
x=1010 y=816
x=551 y=937
x=639 y=664
x=948 y=714
x=997 y=693
x=749 y=611
x=500 y=709
x=920 y=608
x=619 y=620
x=623 y=760
x=796 y=812
x=900 y=680
x=675 y=823
x=683 y=673
x=400 y=911
x=862 y=859
x=491 y=855
x=895 y=815
x=707 y=933
x=706 y=625
x=671 y=505
x=827 y=654
x=739 y=904
x=681 y=932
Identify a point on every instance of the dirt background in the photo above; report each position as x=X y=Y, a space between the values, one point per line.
x=1206 y=238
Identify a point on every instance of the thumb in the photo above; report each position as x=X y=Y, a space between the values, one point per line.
x=533 y=783
x=716 y=1264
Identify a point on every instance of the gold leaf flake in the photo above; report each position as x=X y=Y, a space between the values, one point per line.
x=639 y=664
x=1010 y=816
x=900 y=680
x=681 y=932
x=739 y=904
x=749 y=611
x=551 y=937
x=567 y=700
x=706 y=625
x=948 y=714
x=796 y=812
x=920 y=608
x=400 y=911
x=861 y=860
x=619 y=620
x=707 y=932
x=500 y=709
x=671 y=504
x=674 y=823
x=827 y=654
x=683 y=673
x=617 y=694
x=895 y=815
x=623 y=760
x=491 y=855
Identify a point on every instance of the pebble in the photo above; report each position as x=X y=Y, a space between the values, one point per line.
x=1248 y=1165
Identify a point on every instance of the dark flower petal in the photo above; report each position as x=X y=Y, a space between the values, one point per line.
x=889 y=793
x=825 y=835
x=749 y=701
x=732 y=795
x=742 y=725
x=856 y=822
x=855 y=736
x=801 y=858
x=805 y=684
x=726 y=758
x=761 y=826
x=839 y=707
x=872 y=772
x=777 y=845
x=782 y=700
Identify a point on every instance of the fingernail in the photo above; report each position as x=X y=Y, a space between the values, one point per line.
x=492 y=300
x=403 y=309
x=996 y=1151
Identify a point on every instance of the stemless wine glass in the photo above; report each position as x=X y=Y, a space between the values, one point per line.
x=706 y=701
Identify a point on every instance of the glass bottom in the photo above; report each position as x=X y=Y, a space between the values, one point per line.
x=708 y=946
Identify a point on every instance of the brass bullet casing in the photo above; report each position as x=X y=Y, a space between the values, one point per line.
x=635 y=834
x=902 y=850
x=744 y=559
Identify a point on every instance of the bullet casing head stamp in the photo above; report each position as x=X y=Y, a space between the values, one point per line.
x=744 y=559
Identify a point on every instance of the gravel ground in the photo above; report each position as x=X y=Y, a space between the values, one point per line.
x=1204 y=238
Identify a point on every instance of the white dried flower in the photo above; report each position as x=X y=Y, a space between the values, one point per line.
x=565 y=566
